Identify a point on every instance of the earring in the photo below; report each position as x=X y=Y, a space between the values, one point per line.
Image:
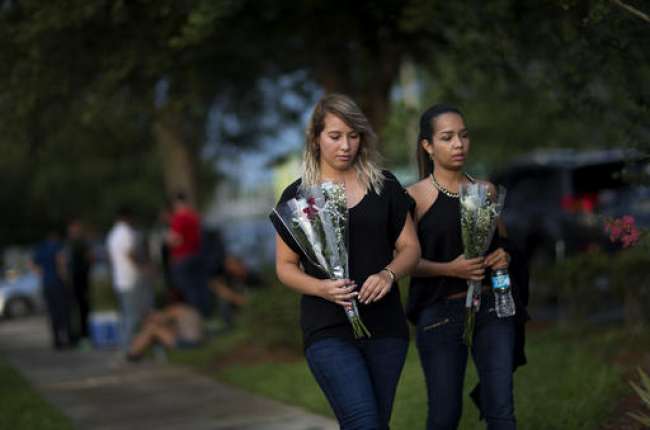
x=430 y=156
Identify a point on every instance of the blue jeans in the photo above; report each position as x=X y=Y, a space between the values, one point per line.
x=129 y=315
x=444 y=359
x=359 y=378
x=190 y=278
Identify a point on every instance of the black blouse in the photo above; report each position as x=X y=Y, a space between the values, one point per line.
x=440 y=237
x=375 y=223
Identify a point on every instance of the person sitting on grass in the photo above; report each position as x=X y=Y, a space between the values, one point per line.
x=230 y=285
x=178 y=325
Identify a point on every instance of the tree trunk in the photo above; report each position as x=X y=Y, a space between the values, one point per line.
x=384 y=70
x=370 y=89
x=179 y=161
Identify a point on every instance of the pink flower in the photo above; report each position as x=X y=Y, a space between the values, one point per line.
x=616 y=231
x=623 y=229
x=628 y=220
x=631 y=238
x=311 y=210
x=614 y=228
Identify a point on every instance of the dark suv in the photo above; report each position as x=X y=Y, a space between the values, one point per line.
x=557 y=200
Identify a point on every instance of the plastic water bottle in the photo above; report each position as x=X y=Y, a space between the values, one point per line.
x=504 y=303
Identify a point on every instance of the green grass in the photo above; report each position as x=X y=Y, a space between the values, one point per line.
x=569 y=382
x=288 y=382
x=22 y=408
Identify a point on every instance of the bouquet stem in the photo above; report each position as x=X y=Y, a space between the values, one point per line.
x=358 y=327
x=472 y=305
x=468 y=329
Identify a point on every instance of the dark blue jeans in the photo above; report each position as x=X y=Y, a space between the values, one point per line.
x=444 y=359
x=359 y=378
x=190 y=278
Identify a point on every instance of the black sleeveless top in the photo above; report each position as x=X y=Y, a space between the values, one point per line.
x=375 y=223
x=441 y=241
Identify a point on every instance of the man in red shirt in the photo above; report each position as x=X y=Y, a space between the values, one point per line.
x=184 y=238
x=184 y=230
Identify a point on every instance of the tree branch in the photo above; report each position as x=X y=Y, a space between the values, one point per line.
x=632 y=10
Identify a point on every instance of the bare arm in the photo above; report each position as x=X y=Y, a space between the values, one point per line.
x=460 y=267
x=457 y=268
x=407 y=254
x=287 y=266
x=172 y=238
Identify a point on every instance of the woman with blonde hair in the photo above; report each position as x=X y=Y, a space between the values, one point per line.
x=358 y=376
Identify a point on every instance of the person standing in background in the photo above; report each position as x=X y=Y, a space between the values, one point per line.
x=159 y=247
x=80 y=260
x=184 y=238
x=121 y=244
x=49 y=262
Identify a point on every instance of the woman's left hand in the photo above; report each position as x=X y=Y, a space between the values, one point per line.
x=375 y=287
x=498 y=259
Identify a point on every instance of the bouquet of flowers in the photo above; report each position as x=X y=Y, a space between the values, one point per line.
x=317 y=221
x=479 y=210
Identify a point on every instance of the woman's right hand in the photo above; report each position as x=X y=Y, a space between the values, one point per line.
x=339 y=291
x=472 y=269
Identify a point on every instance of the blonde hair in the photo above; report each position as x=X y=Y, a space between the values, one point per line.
x=367 y=160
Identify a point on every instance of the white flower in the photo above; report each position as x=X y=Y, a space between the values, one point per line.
x=470 y=202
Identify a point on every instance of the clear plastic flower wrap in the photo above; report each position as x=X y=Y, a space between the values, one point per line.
x=317 y=221
x=479 y=210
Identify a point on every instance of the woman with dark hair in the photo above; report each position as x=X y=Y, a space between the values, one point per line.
x=439 y=285
x=358 y=376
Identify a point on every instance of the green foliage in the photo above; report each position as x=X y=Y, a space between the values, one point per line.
x=580 y=80
x=21 y=407
x=90 y=75
x=643 y=390
x=629 y=268
x=79 y=105
x=272 y=318
x=625 y=273
x=630 y=277
x=574 y=279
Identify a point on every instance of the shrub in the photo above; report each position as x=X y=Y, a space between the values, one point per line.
x=630 y=277
x=271 y=318
x=575 y=279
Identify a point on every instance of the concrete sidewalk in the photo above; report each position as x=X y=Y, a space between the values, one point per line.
x=97 y=390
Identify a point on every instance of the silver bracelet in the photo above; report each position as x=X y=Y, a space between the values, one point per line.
x=393 y=277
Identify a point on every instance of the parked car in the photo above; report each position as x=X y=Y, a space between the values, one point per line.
x=557 y=200
x=20 y=295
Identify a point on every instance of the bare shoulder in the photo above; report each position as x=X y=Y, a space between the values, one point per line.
x=420 y=190
x=424 y=195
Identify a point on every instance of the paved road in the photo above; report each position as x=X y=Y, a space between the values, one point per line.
x=97 y=390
